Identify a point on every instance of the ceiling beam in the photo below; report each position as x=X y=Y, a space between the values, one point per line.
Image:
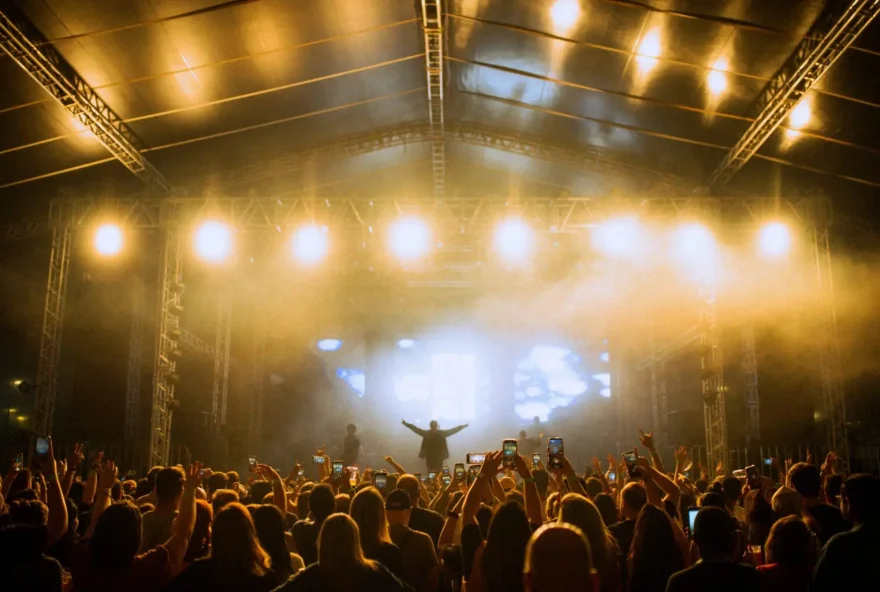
x=832 y=33
x=432 y=24
x=36 y=55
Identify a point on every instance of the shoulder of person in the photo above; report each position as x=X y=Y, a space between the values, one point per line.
x=387 y=580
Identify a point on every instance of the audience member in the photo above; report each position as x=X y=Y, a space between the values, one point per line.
x=269 y=524
x=655 y=553
x=558 y=559
x=790 y=554
x=807 y=481
x=368 y=512
x=581 y=512
x=156 y=525
x=422 y=519
x=419 y=554
x=322 y=503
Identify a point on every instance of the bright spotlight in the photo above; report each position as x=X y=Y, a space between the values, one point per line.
x=564 y=14
x=330 y=344
x=213 y=242
x=409 y=238
x=309 y=244
x=648 y=51
x=108 y=240
x=716 y=80
x=693 y=248
x=774 y=239
x=618 y=237
x=801 y=114
x=406 y=343
x=514 y=240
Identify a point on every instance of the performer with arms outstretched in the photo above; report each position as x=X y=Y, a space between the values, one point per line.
x=434 y=449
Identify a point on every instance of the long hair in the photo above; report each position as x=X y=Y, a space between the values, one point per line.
x=367 y=509
x=235 y=551
x=116 y=538
x=505 y=553
x=200 y=541
x=654 y=554
x=270 y=531
x=791 y=543
x=579 y=511
x=340 y=558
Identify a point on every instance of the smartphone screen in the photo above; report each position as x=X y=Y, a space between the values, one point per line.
x=337 y=468
x=476 y=458
x=252 y=463
x=300 y=473
x=202 y=473
x=19 y=461
x=447 y=479
x=459 y=471
x=42 y=446
x=473 y=471
x=629 y=457
x=768 y=461
x=445 y=469
x=555 y=452
x=380 y=480
x=752 y=476
x=508 y=453
x=317 y=460
x=692 y=516
x=612 y=476
x=536 y=460
x=432 y=475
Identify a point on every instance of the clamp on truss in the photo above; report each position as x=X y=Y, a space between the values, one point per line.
x=432 y=23
x=826 y=41
x=36 y=56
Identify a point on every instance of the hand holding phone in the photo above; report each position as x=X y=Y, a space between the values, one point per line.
x=459 y=471
x=317 y=460
x=508 y=453
x=42 y=446
x=629 y=458
x=380 y=480
x=252 y=463
x=337 y=468
x=536 y=460
x=555 y=452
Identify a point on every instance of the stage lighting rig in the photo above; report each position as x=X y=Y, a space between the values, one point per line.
x=774 y=240
x=409 y=238
x=514 y=240
x=108 y=240
x=309 y=244
x=212 y=241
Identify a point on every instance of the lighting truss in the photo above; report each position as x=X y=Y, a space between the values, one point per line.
x=255 y=404
x=432 y=24
x=195 y=343
x=712 y=379
x=220 y=391
x=42 y=62
x=750 y=384
x=827 y=39
x=135 y=358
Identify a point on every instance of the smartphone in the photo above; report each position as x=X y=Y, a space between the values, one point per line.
x=380 y=480
x=337 y=468
x=447 y=479
x=432 y=475
x=752 y=476
x=19 y=462
x=692 y=517
x=445 y=469
x=459 y=471
x=476 y=458
x=317 y=460
x=536 y=460
x=252 y=463
x=508 y=453
x=202 y=473
x=629 y=458
x=555 y=452
x=768 y=461
x=42 y=446
x=473 y=471
x=612 y=476
x=300 y=473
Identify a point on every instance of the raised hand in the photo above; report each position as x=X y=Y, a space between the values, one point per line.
x=810 y=459
x=830 y=464
x=46 y=462
x=75 y=457
x=522 y=467
x=107 y=475
x=719 y=468
x=97 y=459
x=611 y=462
x=681 y=455
x=491 y=463
x=267 y=472
x=192 y=480
x=647 y=440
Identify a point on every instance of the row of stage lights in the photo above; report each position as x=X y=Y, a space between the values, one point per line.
x=409 y=238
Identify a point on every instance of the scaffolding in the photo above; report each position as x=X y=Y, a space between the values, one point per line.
x=432 y=24
x=135 y=358
x=750 y=384
x=220 y=390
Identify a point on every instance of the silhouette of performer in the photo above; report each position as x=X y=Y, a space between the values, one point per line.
x=434 y=449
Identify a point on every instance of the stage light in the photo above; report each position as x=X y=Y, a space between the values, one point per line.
x=564 y=14
x=309 y=244
x=716 y=79
x=329 y=344
x=409 y=238
x=514 y=240
x=618 y=237
x=798 y=119
x=648 y=51
x=774 y=239
x=213 y=242
x=406 y=343
x=108 y=240
x=693 y=248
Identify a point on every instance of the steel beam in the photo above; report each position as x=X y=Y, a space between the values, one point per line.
x=432 y=26
x=223 y=338
x=135 y=359
x=21 y=40
x=834 y=31
x=255 y=406
x=750 y=384
x=50 y=340
x=195 y=343
x=167 y=335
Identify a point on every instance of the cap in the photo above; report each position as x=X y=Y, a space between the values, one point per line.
x=507 y=484
x=398 y=500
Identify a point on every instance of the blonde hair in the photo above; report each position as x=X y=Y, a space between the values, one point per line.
x=339 y=547
x=367 y=509
x=235 y=548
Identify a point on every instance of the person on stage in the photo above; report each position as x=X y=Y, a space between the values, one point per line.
x=434 y=449
x=527 y=446
x=351 y=446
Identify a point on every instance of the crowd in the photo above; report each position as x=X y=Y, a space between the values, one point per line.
x=630 y=526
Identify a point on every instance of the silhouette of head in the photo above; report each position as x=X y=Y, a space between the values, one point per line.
x=434 y=425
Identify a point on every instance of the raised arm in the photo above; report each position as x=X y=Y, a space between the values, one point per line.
x=279 y=496
x=73 y=461
x=414 y=428
x=574 y=483
x=453 y=431
x=54 y=497
x=105 y=478
x=447 y=535
x=597 y=467
x=530 y=492
x=647 y=441
x=396 y=465
x=475 y=494
x=186 y=519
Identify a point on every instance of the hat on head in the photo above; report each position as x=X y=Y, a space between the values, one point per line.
x=507 y=483
x=398 y=500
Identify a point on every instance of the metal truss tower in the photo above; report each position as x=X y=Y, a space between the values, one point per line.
x=38 y=57
x=135 y=359
x=50 y=340
x=167 y=336
x=750 y=384
x=827 y=39
x=659 y=403
x=220 y=392
x=712 y=378
x=833 y=400
x=432 y=23
x=255 y=407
